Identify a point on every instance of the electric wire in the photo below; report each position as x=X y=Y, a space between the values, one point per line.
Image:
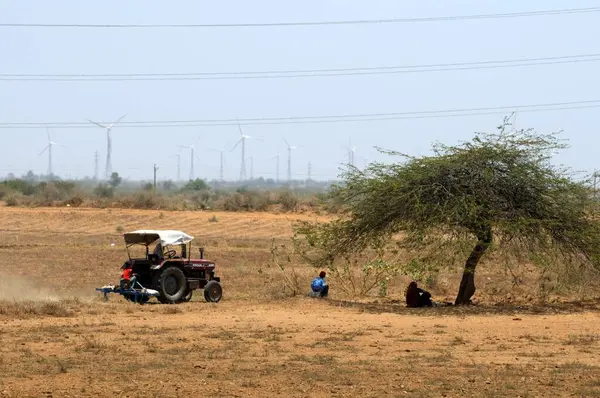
x=521 y=14
x=457 y=66
x=361 y=117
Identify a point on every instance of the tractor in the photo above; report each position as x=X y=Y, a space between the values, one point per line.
x=166 y=273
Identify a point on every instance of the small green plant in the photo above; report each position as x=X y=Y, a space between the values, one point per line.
x=120 y=229
x=383 y=287
x=213 y=219
x=290 y=276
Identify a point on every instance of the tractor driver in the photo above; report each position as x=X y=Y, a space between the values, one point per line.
x=158 y=252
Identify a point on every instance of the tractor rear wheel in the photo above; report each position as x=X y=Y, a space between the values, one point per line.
x=213 y=292
x=172 y=285
x=187 y=297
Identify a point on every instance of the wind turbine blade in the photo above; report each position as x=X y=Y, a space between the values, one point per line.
x=239 y=128
x=286 y=143
x=237 y=143
x=183 y=146
x=197 y=139
x=118 y=120
x=97 y=124
x=48 y=133
x=47 y=146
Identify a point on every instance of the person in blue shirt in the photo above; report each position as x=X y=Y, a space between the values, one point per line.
x=319 y=285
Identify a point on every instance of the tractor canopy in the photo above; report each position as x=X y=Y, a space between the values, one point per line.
x=148 y=237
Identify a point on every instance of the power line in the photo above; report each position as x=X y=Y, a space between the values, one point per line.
x=360 y=117
x=457 y=66
x=317 y=23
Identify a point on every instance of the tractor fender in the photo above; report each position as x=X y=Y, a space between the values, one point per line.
x=166 y=263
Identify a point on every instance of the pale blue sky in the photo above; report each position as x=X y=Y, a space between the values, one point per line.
x=97 y=51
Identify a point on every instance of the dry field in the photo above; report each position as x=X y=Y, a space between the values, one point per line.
x=58 y=338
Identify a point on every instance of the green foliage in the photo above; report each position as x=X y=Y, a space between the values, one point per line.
x=288 y=200
x=213 y=219
x=24 y=187
x=196 y=185
x=355 y=273
x=499 y=185
x=148 y=187
x=283 y=259
x=115 y=180
x=104 y=191
x=168 y=185
x=20 y=191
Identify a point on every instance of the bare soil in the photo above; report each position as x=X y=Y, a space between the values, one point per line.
x=58 y=338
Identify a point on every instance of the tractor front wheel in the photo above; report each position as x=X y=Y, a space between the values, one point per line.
x=213 y=292
x=172 y=285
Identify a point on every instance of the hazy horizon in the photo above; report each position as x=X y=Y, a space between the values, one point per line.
x=136 y=149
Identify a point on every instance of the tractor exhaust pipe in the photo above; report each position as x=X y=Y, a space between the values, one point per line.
x=201 y=253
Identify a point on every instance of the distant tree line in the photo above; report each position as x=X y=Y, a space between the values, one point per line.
x=261 y=194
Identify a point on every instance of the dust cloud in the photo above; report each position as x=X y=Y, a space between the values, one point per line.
x=17 y=288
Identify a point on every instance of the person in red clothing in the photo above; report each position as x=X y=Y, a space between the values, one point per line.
x=128 y=277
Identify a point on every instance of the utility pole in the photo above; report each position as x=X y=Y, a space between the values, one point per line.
x=221 y=174
x=96 y=167
x=154 y=185
x=276 y=168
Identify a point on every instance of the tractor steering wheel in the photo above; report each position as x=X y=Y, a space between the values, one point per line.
x=171 y=253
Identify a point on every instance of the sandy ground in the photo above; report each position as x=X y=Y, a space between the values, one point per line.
x=252 y=343
x=299 y=347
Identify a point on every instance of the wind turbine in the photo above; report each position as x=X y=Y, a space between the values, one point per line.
x=514 y=121
x=222 y=161
x=351 y=152
x=49 y=148
x=192 y=148
x=276 y=168
x=108 y=128
x=242 y=139
x=289 y=169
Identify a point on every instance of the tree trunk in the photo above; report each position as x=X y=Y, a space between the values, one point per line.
x=467 y=284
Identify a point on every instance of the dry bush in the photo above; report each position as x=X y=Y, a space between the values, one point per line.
x=31 y=308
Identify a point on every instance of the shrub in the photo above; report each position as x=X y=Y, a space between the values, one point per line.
x=288 y=201
x=15 y=199
x=104 y=191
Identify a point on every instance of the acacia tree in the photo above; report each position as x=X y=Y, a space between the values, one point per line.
x=500 y=188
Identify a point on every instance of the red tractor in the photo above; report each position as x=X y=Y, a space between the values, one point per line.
x=170 y=274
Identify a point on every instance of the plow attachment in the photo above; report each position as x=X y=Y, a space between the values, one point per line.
x=134 y=294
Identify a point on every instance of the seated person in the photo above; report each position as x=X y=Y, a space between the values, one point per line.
x=417 y=297
x=319 y=285
x=128 y=278
x=157 y=254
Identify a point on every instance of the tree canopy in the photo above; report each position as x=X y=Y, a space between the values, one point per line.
x=499 y=188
